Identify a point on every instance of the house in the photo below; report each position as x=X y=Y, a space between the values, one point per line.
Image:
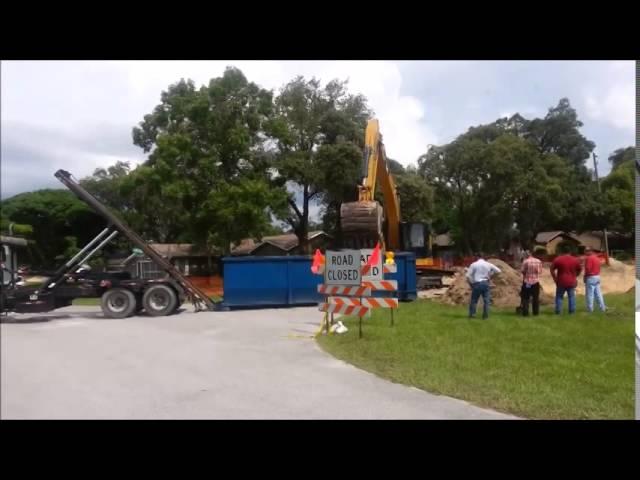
x=443 y=245
x=550 y=240
x=189 y=260
x=276 y=245
x=595 y=240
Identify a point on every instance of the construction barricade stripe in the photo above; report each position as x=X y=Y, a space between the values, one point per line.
x=365 y=302
x=390 y=285
x=339 y=290
x=343 y=309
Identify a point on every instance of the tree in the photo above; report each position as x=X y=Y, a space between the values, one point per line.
x=54 y=215
x=622 y=155
x=416 y=197
x=558 y=133
x=618 y=192
x=339 y=168
x=514 y=172
x=310 y=125
x=205 y=147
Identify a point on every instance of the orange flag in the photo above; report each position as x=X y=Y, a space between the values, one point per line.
x=375 y=256
x=317 y=261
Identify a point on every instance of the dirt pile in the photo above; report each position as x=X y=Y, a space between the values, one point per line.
x=505 y=288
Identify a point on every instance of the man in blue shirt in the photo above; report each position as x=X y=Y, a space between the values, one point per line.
x=478 y=276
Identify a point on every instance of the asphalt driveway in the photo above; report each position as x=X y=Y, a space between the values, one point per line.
x=257 y=364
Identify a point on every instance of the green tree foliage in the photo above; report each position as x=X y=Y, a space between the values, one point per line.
x=207 y=165
x=54 y=215
x=621 y=156
x=514 y=172
x=618 y=191
x=558 y=133
x=416 y=197
x=319 y=132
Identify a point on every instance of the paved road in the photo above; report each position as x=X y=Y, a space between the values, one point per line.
x=74 y=364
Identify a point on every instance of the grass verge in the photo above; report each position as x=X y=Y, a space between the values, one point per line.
x=546 y=367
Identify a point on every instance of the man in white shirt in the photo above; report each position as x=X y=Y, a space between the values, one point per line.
x=478 y=276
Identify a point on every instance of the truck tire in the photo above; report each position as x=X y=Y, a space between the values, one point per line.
x=159 y=300
x=118 y=303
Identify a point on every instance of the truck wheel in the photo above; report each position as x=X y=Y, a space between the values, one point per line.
x=118 y=303
x=159 y=300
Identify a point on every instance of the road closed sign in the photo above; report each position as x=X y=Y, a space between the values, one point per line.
x=376 y=270
x=342 y=268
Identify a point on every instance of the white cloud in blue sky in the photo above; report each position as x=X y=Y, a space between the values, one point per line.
x=79 y=115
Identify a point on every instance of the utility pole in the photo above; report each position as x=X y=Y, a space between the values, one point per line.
x=604 y=231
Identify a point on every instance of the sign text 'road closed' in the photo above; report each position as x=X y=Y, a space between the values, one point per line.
x=376 y=270
x=342 y=268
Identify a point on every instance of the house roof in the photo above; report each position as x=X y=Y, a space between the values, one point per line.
x=600 y=235
x=443 y=240
x=285 y=242
x=172 y=250
x=546 y=237
x=245 y=247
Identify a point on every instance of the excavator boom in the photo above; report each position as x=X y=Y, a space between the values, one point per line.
x=363 y=221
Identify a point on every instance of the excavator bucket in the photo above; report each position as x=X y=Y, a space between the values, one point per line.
x=361 y=224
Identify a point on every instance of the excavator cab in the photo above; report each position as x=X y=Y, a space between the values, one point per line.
x=416 y=237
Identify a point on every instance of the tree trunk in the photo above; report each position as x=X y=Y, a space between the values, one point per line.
x=304 y=223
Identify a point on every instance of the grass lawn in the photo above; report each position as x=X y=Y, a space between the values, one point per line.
x=549 y=367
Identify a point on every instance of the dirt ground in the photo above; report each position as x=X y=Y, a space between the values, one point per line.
x=618 y=277
x=505 y=288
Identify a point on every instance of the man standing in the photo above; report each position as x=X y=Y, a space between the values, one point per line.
x=592 y=280
x=565 y=270
x=478 y=276
x=531 y=270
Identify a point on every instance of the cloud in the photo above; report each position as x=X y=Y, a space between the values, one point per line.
x=615 y=106
x=31 y=154
x=79 y=115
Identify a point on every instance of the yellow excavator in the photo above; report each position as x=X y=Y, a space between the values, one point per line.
x=365 y=222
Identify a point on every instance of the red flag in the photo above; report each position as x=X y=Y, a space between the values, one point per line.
x=375 y=256
x=317 y=261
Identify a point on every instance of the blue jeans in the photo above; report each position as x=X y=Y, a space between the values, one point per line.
x=480 y=289
x=592 y=286
x=571 y=293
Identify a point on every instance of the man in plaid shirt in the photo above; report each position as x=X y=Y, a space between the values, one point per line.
x=531 y=271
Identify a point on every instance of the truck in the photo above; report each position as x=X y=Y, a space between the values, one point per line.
x=120 y=294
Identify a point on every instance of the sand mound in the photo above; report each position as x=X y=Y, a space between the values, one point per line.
x=617 y=277
x=505 y=288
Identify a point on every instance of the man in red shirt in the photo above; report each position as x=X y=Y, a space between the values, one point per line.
x=565 y=270
x=592 y=280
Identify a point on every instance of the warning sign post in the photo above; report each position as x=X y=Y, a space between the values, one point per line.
x=349 y=279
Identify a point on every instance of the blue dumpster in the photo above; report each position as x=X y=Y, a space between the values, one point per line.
x=406 y=277
x=287 y=281
x=269 y=281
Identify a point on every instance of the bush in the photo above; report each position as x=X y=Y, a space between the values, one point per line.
x=566 y=247
x=622 y=256
x=540 y=250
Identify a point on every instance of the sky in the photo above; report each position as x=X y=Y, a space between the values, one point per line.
x=78 y=115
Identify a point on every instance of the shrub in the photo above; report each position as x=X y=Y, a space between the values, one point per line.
x=540 y=250
x=566 y=247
